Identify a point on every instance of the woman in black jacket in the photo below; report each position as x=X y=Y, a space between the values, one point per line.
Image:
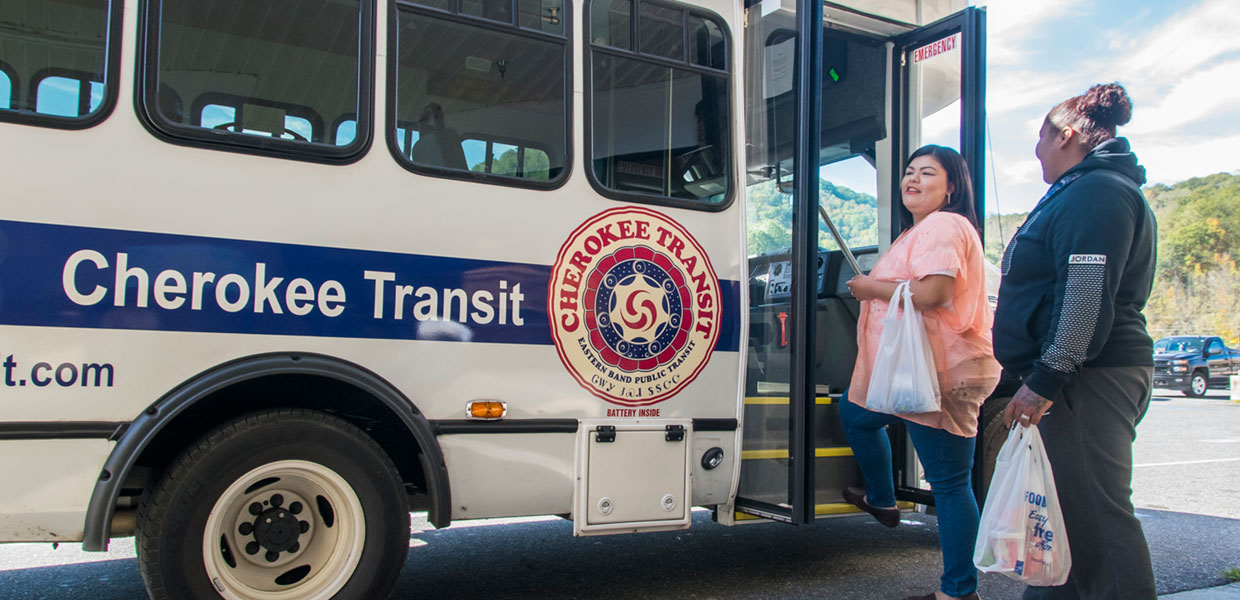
x=1068 y=323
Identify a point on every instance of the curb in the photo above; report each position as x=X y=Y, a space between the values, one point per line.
x=1230 y=591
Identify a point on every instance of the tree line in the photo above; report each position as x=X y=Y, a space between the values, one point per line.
x=1196 y=284
x=1197 y=279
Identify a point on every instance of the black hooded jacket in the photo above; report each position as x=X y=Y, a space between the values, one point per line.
x=1078 y=273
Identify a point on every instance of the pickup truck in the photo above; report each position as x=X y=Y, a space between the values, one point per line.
x=1194 y=363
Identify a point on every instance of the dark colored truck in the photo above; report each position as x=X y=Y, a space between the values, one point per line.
x=1194 y=363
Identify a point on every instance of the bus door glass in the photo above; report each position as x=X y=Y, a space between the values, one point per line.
x=766 y=483
x=870 y=87
x=940 y=83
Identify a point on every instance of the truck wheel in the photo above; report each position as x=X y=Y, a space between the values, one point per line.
x=276 y=505
x=1197 y=385
x=994 y=434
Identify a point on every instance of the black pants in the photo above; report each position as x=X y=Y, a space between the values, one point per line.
x=1088 y=434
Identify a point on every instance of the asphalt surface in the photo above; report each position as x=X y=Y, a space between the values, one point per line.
x=1186 y=485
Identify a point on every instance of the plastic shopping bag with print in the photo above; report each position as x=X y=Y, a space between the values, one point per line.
x=904 y=378
x=1021 y=533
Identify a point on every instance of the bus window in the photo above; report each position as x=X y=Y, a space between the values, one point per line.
x=242 y=67
x=66 y=96
x=6 y=88
x=659 y=120
x=495 y=10
x=346 y=132
x=542 y=15
x=406 y=137
x=285 y=122
x=610 y=23
x=511 y=160
x=498 y=82
x=58 y=55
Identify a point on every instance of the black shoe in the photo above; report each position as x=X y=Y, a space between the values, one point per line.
x=887 y=516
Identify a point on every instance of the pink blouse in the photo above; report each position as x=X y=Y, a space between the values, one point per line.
x=943 y=243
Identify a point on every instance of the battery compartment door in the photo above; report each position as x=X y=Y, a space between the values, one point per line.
x=632 y=476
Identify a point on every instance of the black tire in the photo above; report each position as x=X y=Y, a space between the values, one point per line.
x=1197 y=385
x=994 y=434
x=263 y=456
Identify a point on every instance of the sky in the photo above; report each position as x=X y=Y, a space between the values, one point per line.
x=1180 y=62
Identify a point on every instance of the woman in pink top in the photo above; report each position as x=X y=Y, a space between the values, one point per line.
x=941 y=256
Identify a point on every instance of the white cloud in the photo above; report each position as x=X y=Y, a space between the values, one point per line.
x=1022 y=171
x=1183 y=43
x=1182 y=69
x=1174 y=161
x=1012 y=89
x=1198 y=96
x=1009 y=24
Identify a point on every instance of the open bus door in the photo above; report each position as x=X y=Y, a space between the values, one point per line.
x=879 y=86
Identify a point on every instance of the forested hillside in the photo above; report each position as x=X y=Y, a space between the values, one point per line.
x=770 y=217
x=1197 y=284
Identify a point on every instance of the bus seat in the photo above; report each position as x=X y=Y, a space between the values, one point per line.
x=440 y=148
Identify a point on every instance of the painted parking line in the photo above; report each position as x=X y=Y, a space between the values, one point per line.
x=1187 y=462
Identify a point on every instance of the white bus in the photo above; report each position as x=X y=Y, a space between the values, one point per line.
x=274 y=274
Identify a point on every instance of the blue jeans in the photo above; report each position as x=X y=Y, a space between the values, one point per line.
x=947 y=460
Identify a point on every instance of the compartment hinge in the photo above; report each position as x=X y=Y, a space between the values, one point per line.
x=675 y=433
x=605 y=434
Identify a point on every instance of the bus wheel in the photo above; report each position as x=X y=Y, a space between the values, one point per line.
x=994 y=434
x=276 y=505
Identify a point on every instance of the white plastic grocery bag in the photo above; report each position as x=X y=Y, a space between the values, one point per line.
x=1022 y=533
x=904 y=379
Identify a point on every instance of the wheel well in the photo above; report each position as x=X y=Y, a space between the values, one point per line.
x=285 y=390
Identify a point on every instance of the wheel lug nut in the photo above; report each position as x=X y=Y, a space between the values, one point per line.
x=277 y=500
x=245 y=529
x=251 y=548
x=296 y=547
x=256 y=508
x=272 y=556
x=305 y=526
x=295 y=508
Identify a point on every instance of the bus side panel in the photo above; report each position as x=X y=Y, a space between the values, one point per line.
x=510 y=474
x=46 y=486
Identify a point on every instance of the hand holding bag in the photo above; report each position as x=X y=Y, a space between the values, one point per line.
x=904 y=378
x=1022 y=533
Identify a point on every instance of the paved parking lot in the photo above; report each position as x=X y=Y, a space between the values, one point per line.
x=1186 y=485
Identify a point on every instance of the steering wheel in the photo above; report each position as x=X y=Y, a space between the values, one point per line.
x=296 y=136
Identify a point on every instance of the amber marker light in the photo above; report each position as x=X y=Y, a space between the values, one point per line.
x=488 y=410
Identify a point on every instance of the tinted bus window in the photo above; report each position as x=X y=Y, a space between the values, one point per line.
x=67 y=97
x=268 y=76
x=6 y=88
x=59 y=56
x=512 y=160
x=660 y=130
x=466 y=87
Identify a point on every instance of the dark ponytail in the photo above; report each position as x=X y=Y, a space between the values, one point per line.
x=1094 y=114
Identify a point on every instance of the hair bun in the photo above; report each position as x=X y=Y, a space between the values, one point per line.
x=1106 y=104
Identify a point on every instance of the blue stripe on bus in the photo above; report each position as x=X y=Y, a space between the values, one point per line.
x=63 y=276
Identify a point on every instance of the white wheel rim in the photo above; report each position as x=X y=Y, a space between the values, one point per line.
x=312 y=561
x=1199 y=384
